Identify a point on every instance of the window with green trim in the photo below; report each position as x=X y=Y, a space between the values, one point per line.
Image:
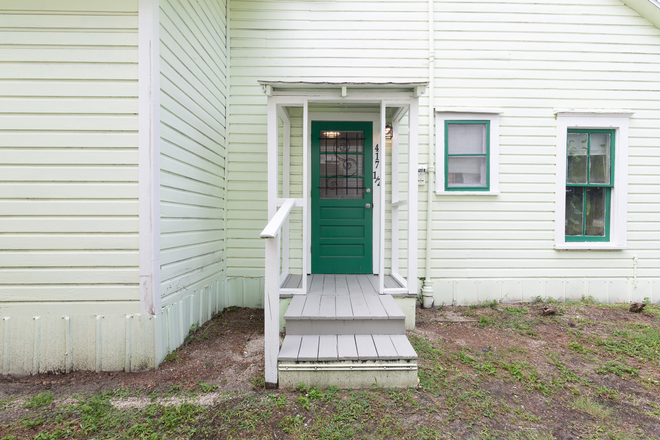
x=467 y=149
x=589 y=183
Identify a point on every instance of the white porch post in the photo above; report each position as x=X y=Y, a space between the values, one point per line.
x=286 y=183
x=272 y=301
x=413 y=196
x=307 y=219
x=383 y=184
x=395 y=196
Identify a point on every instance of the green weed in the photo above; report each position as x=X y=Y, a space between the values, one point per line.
x=40 y=400
x=207 y=388
x=592 y=408
x=617 y=368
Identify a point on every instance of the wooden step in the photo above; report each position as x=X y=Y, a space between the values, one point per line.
x=347 y=361
x=335 y=348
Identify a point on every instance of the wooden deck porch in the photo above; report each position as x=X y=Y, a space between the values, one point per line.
x=344 y=331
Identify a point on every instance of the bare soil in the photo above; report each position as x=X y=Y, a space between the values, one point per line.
x=227 y=351
x=486 y=372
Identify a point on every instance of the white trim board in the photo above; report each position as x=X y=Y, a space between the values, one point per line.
x=149 y=156
x=619 y=213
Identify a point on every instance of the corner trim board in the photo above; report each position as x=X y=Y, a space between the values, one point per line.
x=149 y=155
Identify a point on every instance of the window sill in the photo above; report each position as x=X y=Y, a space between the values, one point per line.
x=596 y=246
x=468 y=193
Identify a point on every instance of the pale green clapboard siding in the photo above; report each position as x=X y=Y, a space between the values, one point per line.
x=69 y=188
x=524 y=58
x=193 y=151
x=68 y=154
x=303 y=41
x=529 y=60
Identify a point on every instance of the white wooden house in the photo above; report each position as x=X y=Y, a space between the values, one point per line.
x=150 y=150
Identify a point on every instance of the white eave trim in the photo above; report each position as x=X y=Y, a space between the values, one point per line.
x=271 y=87
x=648 y=9
x=477 y=110
x=621 y=113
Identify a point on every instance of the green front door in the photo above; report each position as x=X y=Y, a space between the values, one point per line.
x=342 y=197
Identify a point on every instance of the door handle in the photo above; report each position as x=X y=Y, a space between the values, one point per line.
x=367 y=206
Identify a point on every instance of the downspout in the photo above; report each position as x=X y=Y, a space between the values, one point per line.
x=427 y=290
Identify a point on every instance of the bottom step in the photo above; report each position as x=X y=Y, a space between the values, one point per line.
x=349 y=374
x=347 y=361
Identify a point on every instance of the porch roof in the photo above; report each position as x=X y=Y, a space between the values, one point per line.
x=417 y=88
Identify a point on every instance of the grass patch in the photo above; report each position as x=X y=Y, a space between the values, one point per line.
x=617 y=368
x=40 y=400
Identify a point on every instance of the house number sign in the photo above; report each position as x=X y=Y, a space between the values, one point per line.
x=376 y=163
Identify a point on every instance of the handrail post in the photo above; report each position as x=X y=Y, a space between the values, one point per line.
x=271 y=312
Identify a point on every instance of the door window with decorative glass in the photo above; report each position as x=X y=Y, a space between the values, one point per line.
x=466 y=155
x=589 y=182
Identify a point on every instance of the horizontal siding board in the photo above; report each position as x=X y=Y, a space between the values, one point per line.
x=193 y=144
x=68 y=132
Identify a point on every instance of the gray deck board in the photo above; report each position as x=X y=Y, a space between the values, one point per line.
x=343 y=308
x=292 y=282
x=329 y=285
x=391 y=307
x=316 y=285
x=290 y=348
x=312 y=305
x=365 y=347
x=366 y=284
x=403 y=347
x=328 y=348
x=309 y=348
x=375 y=283
x=327 y=308
x=385 y=347
x=341 y=284
x=346 y=348
x=296 y=307
x=359 y=306
x=353 y=285
x=375 y=306
x=391 y=282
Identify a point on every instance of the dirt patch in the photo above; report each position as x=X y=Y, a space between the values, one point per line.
x=226 y=352
x=589 y=371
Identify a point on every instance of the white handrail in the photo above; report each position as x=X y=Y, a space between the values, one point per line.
x=400 y=203
x=275 y=224
x=272 y=291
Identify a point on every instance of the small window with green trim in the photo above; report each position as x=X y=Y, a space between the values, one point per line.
x=589 y=182
x=467 y=145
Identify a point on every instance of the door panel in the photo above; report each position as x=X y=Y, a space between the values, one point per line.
x=341 y=197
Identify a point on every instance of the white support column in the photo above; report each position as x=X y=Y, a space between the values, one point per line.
x=273 y=145
x=413 y=149
x=149 y=156
x=395 y=196
x=383 y=183
x=286 y=183
x=306 y=196
x=271 y=313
